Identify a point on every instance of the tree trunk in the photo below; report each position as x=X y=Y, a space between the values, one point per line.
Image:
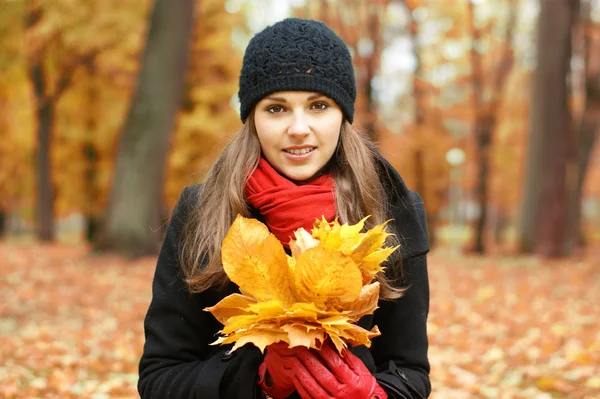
x=483 y=133
x=588 y=133
x=45 y=192
x=3 y=220
x=91 y=154
x=135 y=198
x=418 y=91
x=544 y=217
x=45 y=189
x=588 y=125
x=485 y=117
x=371 y=66
x=419 y=120
x=93 y=220
x=501 y=222
x=44 y=108
x=3 y=209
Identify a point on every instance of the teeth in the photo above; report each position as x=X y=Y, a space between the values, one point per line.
x=301 y=151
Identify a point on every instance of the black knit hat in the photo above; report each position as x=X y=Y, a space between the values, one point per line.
x=297 y=55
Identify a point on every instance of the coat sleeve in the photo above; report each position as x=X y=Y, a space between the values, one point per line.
x=177 y=361
x=403 y=369
x=400 y=352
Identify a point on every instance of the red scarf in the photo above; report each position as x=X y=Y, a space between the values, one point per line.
x=287 y=206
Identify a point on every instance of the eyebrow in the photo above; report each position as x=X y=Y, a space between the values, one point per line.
x=283 y=100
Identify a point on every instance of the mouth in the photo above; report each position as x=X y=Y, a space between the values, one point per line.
x=299 y=151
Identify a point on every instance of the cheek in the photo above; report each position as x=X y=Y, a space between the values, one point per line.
x=332 y=135
x=264 y=133
x=334 y=127
x=333 y=141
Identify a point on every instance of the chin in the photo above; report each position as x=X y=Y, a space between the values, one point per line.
x=299 y=177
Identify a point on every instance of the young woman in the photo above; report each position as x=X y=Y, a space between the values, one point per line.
x=297 y=158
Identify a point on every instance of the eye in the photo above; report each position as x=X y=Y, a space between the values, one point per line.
x=320 y=106
x=275 y=109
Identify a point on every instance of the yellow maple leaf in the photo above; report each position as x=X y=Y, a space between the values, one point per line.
x=334 y=235
x=366 y=249
x=255 y=260
x=365 y=304
x=319 y=292
x=323 y=274
x=232 y=305
x=303 y=334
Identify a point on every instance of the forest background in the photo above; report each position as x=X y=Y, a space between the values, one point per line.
x=489 y=109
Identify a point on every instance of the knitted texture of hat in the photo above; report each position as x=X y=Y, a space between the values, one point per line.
x=297 y=55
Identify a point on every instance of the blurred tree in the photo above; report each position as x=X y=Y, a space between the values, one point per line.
x=418 y=144
x=207 y=120
x=508 y=154
x=135 y=198
x=486 y=109
x=3 y=154
x=15 y=123
x=587 y=126
x=53 y=58
x=368 y=50
x=13 y=162
x=92 y=189
x=422 y=161
x=419 y=88
x=359 y=24
x=419 y=93
x=7 y=30
x=430 y=168
x=45 y=114
x=90 y=114
x=551 y=143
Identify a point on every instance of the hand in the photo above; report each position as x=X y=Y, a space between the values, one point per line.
x=327 y=375
x=274 y=374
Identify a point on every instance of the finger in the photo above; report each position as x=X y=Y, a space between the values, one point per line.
x=336 y=364
x=320 y=372
x=278 y=356
x=304 y=394
x=280 y=370
x=281 y=348
x=262 y=371
x=352 y=360
x=308 y=387
x=278 y=345
x=307 y=380
x=285 y=351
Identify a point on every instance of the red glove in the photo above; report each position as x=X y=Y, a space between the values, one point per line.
x=274 y=373
x=325 y=374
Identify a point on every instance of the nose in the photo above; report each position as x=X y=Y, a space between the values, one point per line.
x=299 y=124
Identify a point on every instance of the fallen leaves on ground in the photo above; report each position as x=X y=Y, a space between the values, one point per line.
x=71 y=325
x=514 y=327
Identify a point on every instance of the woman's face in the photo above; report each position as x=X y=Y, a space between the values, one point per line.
x=298 y=131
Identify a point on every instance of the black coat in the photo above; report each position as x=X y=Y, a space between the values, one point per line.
x=178 y=362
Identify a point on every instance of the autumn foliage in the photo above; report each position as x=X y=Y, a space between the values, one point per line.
x=464 y=82
x=319 y=292
x=91 y=107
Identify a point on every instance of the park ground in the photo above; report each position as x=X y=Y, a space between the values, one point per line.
x=499 y=327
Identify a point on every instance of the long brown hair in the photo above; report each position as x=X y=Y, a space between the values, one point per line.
x=359 y=192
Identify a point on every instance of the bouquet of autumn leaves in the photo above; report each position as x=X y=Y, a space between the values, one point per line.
x=320 y=291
